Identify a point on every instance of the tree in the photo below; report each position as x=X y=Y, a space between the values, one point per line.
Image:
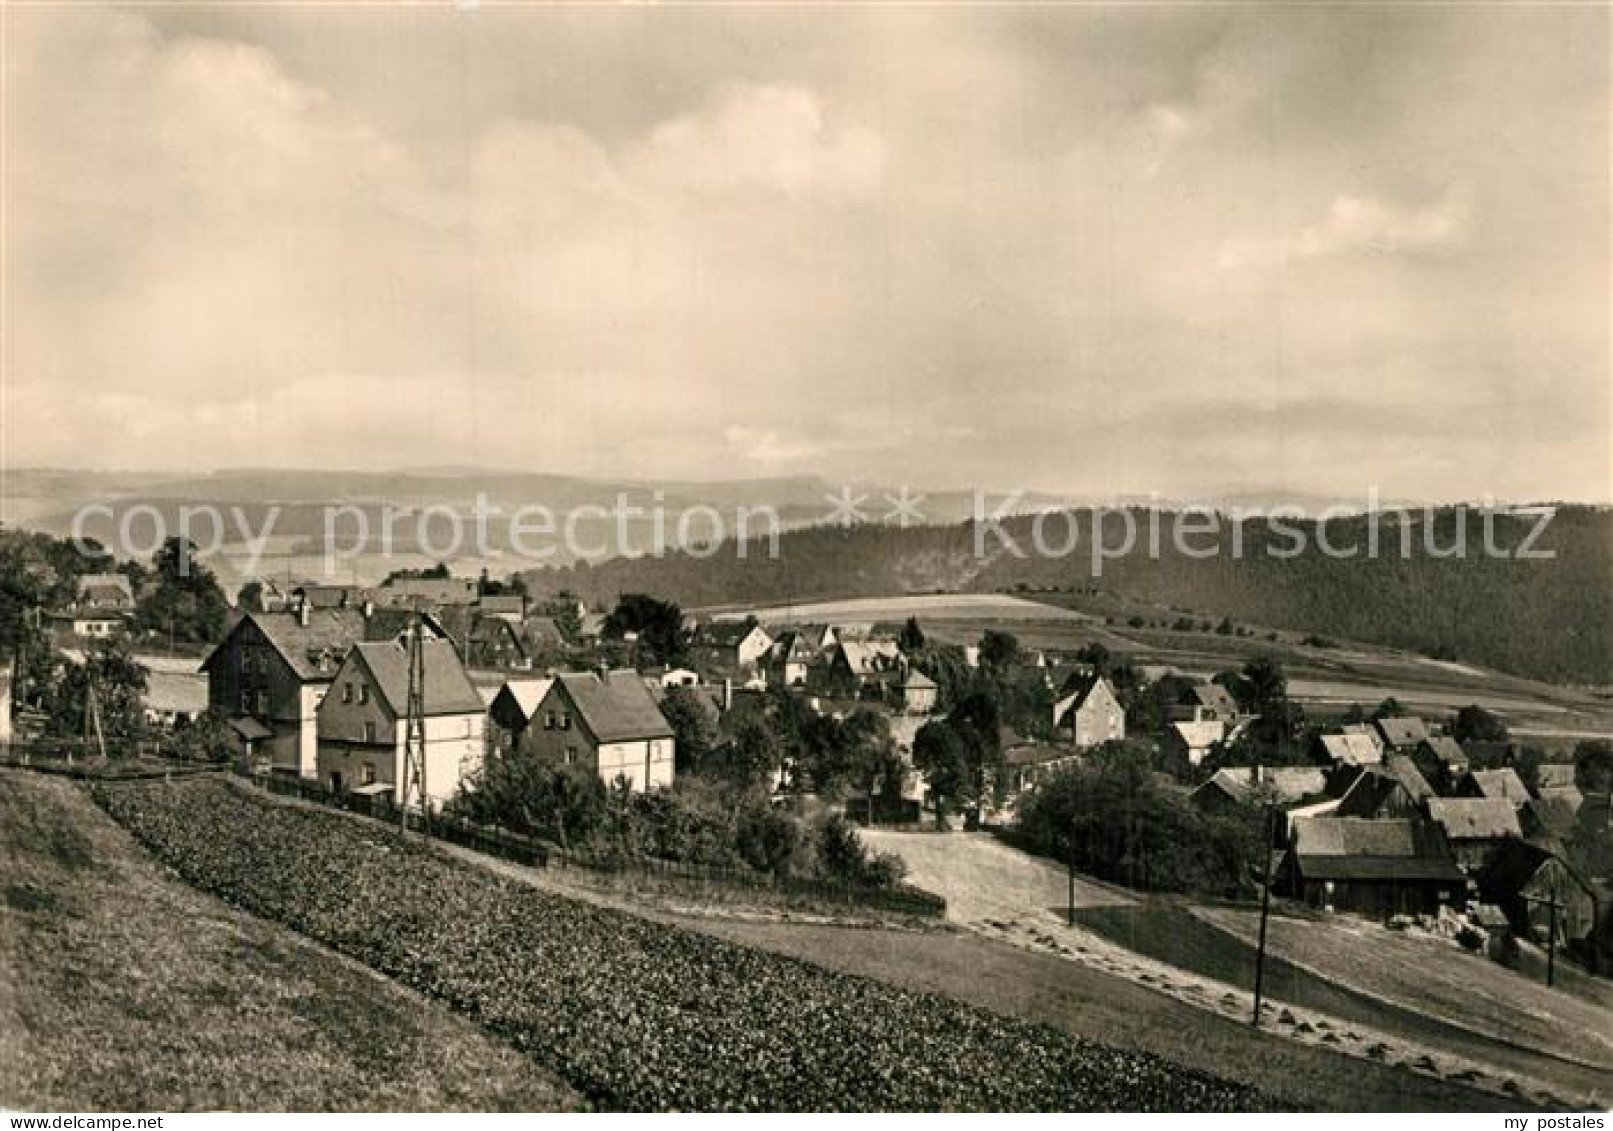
x=694 y=732
x=657 y=624
x=1593 y=765
x=940 y=754
x=998 y=651
x=751 y=758
x=183 y=601
x=1390 y=708
x=1095 y=656
x=207 y=738
x=1266 y=686
x=1473 y=722
x=566 y=617
x=103 y=694
x=250 y=597
x=911 y=638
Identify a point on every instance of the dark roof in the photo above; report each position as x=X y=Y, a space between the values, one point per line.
x=101 y=586
x=1446 y=749
x=1367 y=795
x=1474 y=818
x=1355 y=848
x=314 y=650
x=1552 y=814
x=1501 y=785
x=499 y=604
x=1289 y=783
x=542 y=630
x=723 y=633
x=1036 y=754
x=429 y=590
x=1351 y=749
x=249 y=728
x=1557 y=775
x=1406 y=730
x=617 y=707
x=1211 y=695
x=1514 y=864
x=447 y=689
x=1405 y=771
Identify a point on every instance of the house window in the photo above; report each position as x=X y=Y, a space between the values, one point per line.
x=571 y=755
x=246 y=702
x=263 y=702
x=363 y=693
x=548 y=720
x=367 y=773
x=369 y=731
x=565 y=720
x=347 y=693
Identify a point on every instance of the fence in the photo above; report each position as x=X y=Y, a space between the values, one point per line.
x=75 y=758
x=486 y=839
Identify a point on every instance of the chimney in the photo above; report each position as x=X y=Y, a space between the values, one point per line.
x=302 y=611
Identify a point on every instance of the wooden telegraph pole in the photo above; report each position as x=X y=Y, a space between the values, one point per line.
x=1265 y=914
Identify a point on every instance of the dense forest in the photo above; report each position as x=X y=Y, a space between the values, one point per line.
x=1546 y=617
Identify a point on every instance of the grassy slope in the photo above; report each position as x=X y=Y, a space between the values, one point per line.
x=1169 y=932
x=124 y=990
x=1446 y=983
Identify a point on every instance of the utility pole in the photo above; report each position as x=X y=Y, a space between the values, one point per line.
x=1069 y=863
x=414 y=742
x=1265 y=914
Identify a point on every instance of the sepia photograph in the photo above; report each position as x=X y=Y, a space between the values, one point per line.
x=767 y=556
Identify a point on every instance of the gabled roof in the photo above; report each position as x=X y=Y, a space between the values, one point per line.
x=314 y=650
x=1500 y=785
x=1405 y=771
x=1356 y=848
x=428 y=590
x=1084 y=691
x=501 y=604
x=1288 y=783
x=1446 y=749
x=1199 y=735
x=617 y=708
x=446 y=688
x=725 y=634
x=1554 y=775
x=1211 y=695
x=542 y=630
x=868 y=657
x=1515 y=864
x=1036 y=754
x=96 y=587
x=916 y=679
x=181 y=692
x=1404 y=730
x=525 y=694
x=1351 y=749
x=1368 y=794
x=1550 y=815
x=1474 y=818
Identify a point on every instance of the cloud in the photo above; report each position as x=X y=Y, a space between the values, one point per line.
x=1363 y=225
x=769 y=138
x=1005 y=245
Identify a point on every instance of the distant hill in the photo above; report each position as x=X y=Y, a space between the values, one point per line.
x=1549 y=619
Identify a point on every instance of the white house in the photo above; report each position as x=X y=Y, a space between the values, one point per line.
x=363 y=720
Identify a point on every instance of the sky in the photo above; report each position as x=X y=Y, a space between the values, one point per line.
x=1099 y=250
